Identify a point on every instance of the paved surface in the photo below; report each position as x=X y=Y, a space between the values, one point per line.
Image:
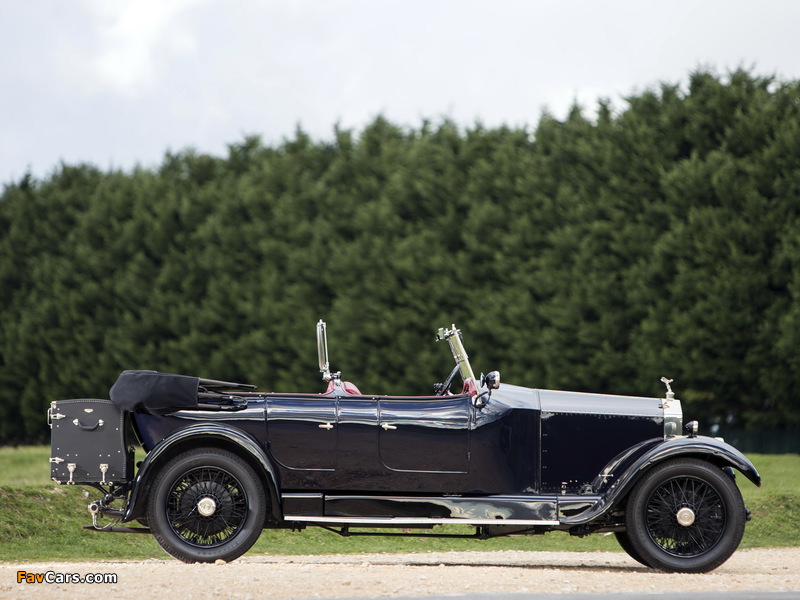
x=479 y=575
x=664 y=596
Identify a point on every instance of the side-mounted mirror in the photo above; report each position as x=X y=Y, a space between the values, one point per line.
x=322 y=351
x=491 y=380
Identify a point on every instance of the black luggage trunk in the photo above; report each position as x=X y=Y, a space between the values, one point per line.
x=88 y=443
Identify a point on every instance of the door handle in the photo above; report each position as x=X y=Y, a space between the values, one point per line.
x=327 y=426
x=387 y=427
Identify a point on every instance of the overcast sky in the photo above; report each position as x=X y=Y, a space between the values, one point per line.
x=118 y=83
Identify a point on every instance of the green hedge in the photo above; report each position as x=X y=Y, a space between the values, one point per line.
x=594 y=253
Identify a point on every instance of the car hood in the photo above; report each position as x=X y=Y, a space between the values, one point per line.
x=517 y=397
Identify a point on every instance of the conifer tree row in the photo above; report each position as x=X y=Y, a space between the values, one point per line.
x=592 y=253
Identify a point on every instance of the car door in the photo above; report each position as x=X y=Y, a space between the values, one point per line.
x=424 y=434
x=302 y=432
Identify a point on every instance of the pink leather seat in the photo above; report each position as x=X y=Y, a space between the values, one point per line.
x=346 y=387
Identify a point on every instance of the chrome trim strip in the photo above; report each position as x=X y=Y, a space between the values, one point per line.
x=301 y=495
x=367 y=521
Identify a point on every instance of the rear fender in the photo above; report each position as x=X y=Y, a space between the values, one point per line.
x=199 y=436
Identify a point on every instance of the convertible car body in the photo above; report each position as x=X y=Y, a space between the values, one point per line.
x=224 y=461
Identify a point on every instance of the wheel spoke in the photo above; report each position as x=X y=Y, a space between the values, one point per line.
x=230 y=505
x=676 y=539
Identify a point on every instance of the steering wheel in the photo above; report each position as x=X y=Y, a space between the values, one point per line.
x=440 y=389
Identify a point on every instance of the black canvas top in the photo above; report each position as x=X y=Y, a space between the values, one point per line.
x=154 y=392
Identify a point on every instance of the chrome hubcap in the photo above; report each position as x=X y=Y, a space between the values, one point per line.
x=685 y=516
x=206 y=506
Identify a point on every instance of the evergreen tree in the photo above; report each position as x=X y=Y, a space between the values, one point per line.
x=595 y=253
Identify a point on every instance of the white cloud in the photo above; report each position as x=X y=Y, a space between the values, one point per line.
x=119 y=82
x=130 y=36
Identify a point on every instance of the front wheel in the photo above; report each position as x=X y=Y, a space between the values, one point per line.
x=625 y=543
x=685 y=515
x=206 y=505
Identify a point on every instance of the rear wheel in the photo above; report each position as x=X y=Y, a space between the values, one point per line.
x=206 y=505
x=685 y=516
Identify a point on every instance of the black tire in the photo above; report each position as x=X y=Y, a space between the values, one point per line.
x=214 y=481
x=702 y=496
x=625 y=543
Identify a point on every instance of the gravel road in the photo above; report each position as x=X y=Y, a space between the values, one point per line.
x=382 y=575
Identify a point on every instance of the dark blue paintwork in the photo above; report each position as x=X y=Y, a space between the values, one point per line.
x=571 y=455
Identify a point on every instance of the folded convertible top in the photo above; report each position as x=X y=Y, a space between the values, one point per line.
x=154 y=392
x=162 y=393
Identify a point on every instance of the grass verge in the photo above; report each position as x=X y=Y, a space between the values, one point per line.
x=44 y=522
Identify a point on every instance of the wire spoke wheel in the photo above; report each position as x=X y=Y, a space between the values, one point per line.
x=702 y=511
x=221 y=492
x=206 y=505
x=685 y=515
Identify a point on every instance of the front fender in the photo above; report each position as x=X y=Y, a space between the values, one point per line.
x=195 y=436
x=622 y=473
x=712 y=449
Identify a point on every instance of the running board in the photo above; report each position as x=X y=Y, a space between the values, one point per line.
x=115 y=529
x=401 y=521
x=388 y=510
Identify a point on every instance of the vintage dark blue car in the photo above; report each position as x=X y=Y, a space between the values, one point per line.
x=224 y=461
